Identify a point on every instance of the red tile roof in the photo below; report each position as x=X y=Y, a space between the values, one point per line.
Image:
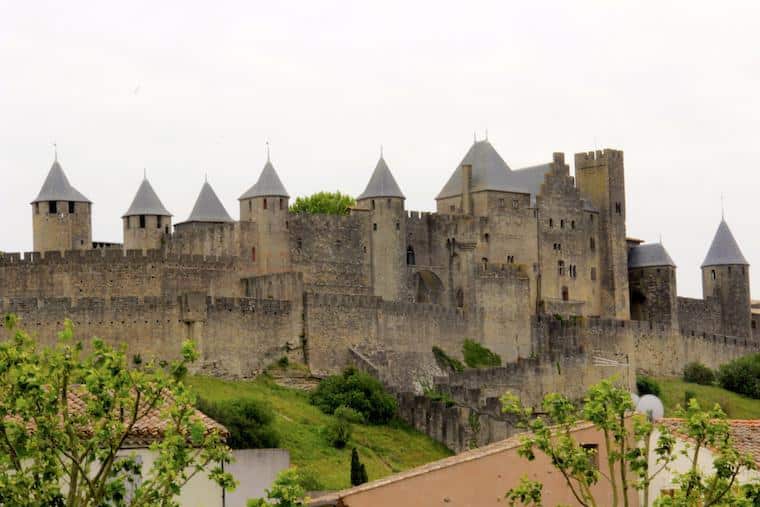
x=745 y=434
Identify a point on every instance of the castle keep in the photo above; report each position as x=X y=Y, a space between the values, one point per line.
x=534 y=263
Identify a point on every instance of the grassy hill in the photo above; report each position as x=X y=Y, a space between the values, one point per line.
x=383 y=449
x=735 y=405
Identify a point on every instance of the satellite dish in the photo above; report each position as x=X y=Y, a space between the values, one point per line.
x=651 y=405
x=635 y=399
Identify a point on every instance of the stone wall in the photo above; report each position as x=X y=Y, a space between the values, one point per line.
x=699 y=316
x=236 y=337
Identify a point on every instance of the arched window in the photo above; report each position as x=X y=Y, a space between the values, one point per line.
x=410 y=259
x=265 y=204
x=592 y=244
x=373 y=203
x=561 y=267
x=712 y=272
x=484 y=260
x=565 y=294
x=142 y=221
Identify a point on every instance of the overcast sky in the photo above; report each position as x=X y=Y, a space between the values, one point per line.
x=188 y=88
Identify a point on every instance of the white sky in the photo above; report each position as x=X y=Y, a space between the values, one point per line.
x=184 y=88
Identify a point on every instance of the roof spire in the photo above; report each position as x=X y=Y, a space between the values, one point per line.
x=145 y=173
x=486 y=134
x=722 y=208
x=474 y=137
x=381 y=151
x=268 y=150
x=55 y=151
x=205 y=175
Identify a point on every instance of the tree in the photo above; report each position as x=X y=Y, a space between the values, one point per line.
x=357 y=390
x=627 y=445
x=250 y=422
x=66 y=413
x=286 y=491
x=329 y=203
x=358 y=471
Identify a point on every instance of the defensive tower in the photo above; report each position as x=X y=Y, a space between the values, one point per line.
x=652 y=279
x=61 y=215
x=147 y=222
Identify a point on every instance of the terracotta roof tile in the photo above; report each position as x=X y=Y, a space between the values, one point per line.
x=744 y=432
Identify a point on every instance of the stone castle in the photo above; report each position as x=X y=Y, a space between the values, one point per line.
x=533 y=263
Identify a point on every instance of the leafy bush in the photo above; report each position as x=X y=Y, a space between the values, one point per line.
x=647 y=385
x=249 y=422
x=445 y=361
x=435 y=395
x=338 y=432
x=698 y=373
x=478 y=356
x=349 y=414
x=687 y=396
x=741 y=375
x=356 y=390
x=331 y=203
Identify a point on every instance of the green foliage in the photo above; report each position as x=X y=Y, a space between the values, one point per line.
x=349 y=414
x=358 y=471
x=527 y=493
x=286 y=491
x=447 y=362
x=736 y=406
x=478 y=356
x=647 y=385
x=741 y=376
x=249 y=422
x=698 y=373
x=339 y=430
x=329 y=203
x=436 y=395
x=358 y=391
x=35 y=389
x=283 y=362
x=627 y=445
x=385 y=449
x=688 y=396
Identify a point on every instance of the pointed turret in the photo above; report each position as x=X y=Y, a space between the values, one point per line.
x=724 y=249
x=61 y=214
x=268 y=193
x=489 y=172
x=146 y=221
x=725 y=278
x=208 y=208
x=381 y=183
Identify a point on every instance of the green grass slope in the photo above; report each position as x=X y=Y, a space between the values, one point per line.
x=734 y=405
x=383 y=449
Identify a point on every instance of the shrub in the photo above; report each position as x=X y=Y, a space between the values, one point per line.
x=477 y=356
x=349 y=414
x=249 y=422
x=356 y=390
x=309 y=480
x=283 y=362
x=338 y=432
x=698 y=373
x=445 y=361
x=741 y=375
x=358 y=471
x=647 y=385
x=436 y=395
x=687 y=396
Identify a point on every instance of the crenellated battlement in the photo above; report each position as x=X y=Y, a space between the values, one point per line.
x=598 y=157
x=111 y=256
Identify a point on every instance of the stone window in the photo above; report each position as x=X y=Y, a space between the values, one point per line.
x=287 y=226
x=253 y=254
x=592 y=244
x=618 y=208
x=484 y=260
x=374 y=227
x=398 y=226
x=565 y=294
x=510 y=259
x=558 y=247
x=452 y=208
x=729 y=270
x=572 y=224
x=591 y=218
x=299 y=243
x=593 y=273
x=486 y=237
x=561 y=268
x=265 y=204
x=410 y=259
x=72 y=207
x=754 y=324
x=142 y=221
x=562 y=224
x=166 y=229
x=158 y=222
x=372 y=203
x=515 y=203
x=282 y=203
x=388 y=203
x=36 y=208
x=250 y=205
x=52 y=207
x=501 y=203
x=551 y=222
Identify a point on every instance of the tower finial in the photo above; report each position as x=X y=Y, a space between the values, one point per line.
x=486 y=134
x=206 y=177
x=55 y=151
x=145 y=173
x=474 y=137
x=381 y=151
x=722 y=207
x=267 y=150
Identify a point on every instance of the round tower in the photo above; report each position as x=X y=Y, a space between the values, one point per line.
x=725 y=277
x=146 y=222
x=652 y=282
x=266 y=205
x=61 y=215
x=385 y=202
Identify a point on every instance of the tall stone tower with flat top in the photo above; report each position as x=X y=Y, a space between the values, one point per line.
x=61 y=215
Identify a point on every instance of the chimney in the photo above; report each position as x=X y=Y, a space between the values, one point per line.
x=466 y=188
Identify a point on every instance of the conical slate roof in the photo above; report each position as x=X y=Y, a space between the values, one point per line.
x=208 y=207
x=268 y=184
x=146 y=202
x=648 y=255
x=381 y=183
x=57 y=187
x=724 y=249
x=489 y=172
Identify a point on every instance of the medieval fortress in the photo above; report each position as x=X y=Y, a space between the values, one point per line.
x=532 y=263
